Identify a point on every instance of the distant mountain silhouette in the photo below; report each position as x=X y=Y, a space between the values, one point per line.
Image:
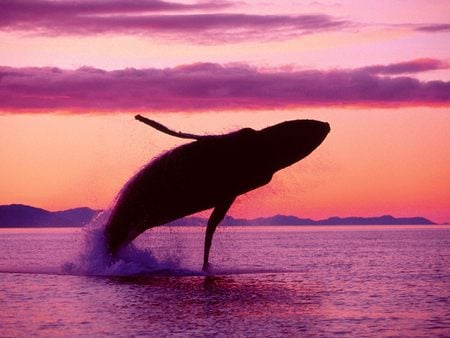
x=18 y=215
x=293 y=220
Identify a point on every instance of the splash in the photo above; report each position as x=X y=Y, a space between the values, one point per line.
x=94 y=259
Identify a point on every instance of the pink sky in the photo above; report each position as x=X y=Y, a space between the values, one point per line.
x=73 y=73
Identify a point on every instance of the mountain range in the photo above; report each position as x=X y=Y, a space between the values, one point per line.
x=19 y=215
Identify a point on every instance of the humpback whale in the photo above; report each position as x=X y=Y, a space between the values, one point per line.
x=209 y=172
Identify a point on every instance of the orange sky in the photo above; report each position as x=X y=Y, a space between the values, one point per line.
x=376 y=160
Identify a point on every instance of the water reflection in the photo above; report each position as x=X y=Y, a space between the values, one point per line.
x=260 y=305
x=354 y=283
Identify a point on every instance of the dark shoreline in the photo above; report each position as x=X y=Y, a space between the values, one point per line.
x=16 y=215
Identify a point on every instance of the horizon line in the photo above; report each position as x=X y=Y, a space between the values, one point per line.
x=247 y=218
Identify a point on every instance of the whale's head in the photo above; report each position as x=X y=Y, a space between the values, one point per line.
x=288 y=142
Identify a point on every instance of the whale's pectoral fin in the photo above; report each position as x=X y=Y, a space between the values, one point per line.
x=165 y=130
x=216 y=217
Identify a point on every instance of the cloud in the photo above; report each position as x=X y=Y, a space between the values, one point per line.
x=206 y=87
x=156 y=19
x=32 y=9
x=434 y=28
x=203 y=22
x=413 y=66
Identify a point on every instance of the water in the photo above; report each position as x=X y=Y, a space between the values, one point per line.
x=266 y=281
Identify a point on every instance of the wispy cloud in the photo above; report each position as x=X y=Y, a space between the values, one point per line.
x=31 y=9
x=156 y=19
x=434 y=28
x=209 y=86
x=204 y=22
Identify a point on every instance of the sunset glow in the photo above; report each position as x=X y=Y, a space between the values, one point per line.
x=73 y=74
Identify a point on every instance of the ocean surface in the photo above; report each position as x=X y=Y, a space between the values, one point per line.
x=284 y=281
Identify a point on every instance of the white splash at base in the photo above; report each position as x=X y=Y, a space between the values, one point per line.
x=94 y=259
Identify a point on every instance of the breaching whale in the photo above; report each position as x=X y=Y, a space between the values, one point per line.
x=209 y=172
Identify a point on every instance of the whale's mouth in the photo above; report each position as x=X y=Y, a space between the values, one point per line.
x=288 y=142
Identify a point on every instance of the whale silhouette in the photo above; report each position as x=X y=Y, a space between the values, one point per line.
x=207 y=173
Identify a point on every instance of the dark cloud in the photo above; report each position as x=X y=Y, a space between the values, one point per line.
x=201 y=22
x=434 y=28
x=139 y=17
x=208 y=86
x=30 y=9
x=413 y=66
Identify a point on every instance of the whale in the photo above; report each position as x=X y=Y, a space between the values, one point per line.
x=207 y=173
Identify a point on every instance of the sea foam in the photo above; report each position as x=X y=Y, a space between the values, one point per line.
x=94 y=259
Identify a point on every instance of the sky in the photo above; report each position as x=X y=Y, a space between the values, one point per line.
x=74 y=73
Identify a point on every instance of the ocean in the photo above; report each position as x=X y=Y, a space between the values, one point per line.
x=284 y=281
